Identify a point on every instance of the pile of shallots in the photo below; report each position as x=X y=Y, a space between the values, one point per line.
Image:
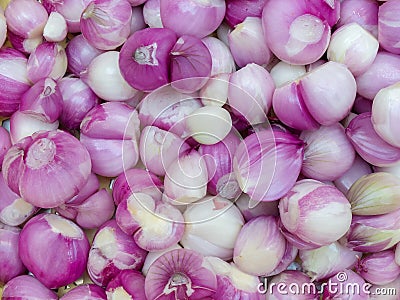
x=200 y=149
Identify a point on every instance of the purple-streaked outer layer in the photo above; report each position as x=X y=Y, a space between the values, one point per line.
x=86 y=292
x=187 y=16
x=326 y=261
x=218 y=158
x=13 y=80
x=328 y=153
x=238 y=10
x=159 y=148
x=180 y=274
x=26 y=18
x=112 y=251
x=368 y=144
x=54 y=249
x=190 y=64
x=144 y=58
x=315 y=212
x=127 y=283
x=5 y=143
x=362 y=12
x=11 y=265
x=370 y=267
x=43 y=101
x=384 y=71
x=351 y=278
x=136 y=181
x=167 y=109
x=80 y=53
x=55 y=161
x=13 y=209
x=110 y=132
x=374 y=233
x=251 y=100
x=291 y=278
x=27 y=287
x=298 y=32
x=106 y=24
x=47 y=60
x=267 y=164
x=260 y=246
x=154 y=225
x=78 y=100
x=233 y=283
x=359 y=168
x=388 y=26
x=92 y=212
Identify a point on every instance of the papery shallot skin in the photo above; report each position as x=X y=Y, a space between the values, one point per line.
x=238 y=10
x=247 y=43
x=219 y=161
x=191 y=64
x=54 y=249
x=43 y=100
x=359 y=168
x=158 y=148
x=353 y=46
x=93 y=212
x=251 y=100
